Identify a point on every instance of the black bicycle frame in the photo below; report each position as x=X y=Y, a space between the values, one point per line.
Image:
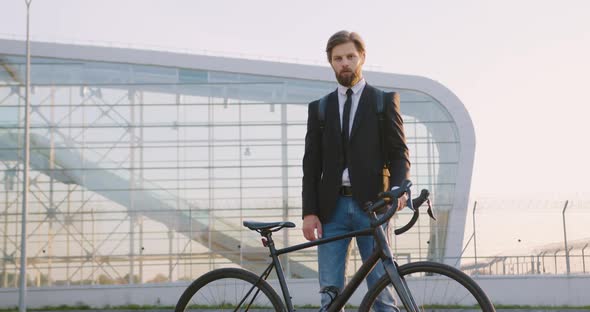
x=382 y=252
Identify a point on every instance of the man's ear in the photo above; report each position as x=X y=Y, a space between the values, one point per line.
x=363 y=55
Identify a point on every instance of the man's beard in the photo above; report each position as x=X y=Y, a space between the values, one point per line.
x=349 y=78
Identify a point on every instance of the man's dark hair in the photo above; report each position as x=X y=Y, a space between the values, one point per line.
x=344 y=36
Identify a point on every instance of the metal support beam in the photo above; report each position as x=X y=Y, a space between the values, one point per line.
x=132 y=183
x=211 y=171
x=52 y=213
x=474 y=236
x=141 y=249
x=170 y=253
x=69 y=223
x=567 y=254
x=241 y=175
x=8 y=186
x=141 y=184
x=285 y=178
x=70 y=220
x=584 y=259
x=132 y=221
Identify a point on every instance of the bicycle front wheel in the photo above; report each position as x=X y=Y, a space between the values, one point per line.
x=229 y=289
x=435 y=286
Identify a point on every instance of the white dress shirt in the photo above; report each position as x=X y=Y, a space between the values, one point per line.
x=357 y=90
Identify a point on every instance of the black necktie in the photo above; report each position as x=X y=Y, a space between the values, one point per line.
x=346 y=126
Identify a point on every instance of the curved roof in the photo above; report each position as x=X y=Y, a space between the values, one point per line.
x=245 y=66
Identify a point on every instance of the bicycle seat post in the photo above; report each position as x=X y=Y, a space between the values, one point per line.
x=268 y=242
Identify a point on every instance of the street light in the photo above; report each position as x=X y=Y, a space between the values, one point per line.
x=23 y=254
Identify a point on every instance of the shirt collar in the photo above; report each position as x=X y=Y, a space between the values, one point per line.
x=358 y=87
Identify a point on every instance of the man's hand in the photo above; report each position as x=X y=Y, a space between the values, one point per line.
x=310 y=224
x=401 y=202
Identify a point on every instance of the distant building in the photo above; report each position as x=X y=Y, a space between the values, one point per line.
x=145 y=163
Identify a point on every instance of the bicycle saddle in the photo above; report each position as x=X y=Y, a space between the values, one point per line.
x=258 y=226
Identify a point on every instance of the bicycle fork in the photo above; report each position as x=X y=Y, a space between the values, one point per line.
x=400 y=285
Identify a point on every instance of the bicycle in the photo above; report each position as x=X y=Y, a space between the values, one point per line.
x=418 y=285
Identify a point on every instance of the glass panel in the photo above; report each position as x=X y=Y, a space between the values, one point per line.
x=136 y=160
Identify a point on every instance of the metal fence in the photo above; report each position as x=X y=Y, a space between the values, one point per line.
x=515 y=237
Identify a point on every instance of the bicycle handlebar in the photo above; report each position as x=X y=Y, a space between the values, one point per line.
x=393 y=195
x=413 y=204
x=416 y=202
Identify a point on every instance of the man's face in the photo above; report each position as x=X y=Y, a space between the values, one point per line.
x=347 y=63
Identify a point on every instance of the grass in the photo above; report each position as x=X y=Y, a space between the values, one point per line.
x=528 y=307
x=86 y=307
x=307 y=306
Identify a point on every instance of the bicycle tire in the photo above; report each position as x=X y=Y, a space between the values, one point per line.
x=223 y=289
x=432 y=275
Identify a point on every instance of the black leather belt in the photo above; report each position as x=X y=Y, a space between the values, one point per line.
x=346 y=190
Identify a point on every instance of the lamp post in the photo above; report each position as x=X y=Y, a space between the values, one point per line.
x=23 y=253
x=567 y=253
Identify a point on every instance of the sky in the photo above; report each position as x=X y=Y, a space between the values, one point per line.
x=520 y=67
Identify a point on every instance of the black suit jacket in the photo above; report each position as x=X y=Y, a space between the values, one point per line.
x=323 y=160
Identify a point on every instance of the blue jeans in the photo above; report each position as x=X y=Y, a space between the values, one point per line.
x=333 y=256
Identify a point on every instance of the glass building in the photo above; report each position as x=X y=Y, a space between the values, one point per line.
x=145 y=163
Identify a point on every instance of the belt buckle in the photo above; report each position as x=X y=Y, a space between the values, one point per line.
x=346 y=191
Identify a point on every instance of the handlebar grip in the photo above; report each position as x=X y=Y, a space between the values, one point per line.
x=397 y=192
x=393 y=194
x=416 y=202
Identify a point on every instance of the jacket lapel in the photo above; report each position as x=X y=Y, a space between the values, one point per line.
x=362 y=109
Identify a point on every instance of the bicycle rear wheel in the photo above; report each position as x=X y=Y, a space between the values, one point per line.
x=229 y=289
x=435 y=286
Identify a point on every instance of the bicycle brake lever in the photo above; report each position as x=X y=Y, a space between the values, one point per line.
x=430 y=210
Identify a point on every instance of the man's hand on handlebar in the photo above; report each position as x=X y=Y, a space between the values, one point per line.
x=402 y=201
